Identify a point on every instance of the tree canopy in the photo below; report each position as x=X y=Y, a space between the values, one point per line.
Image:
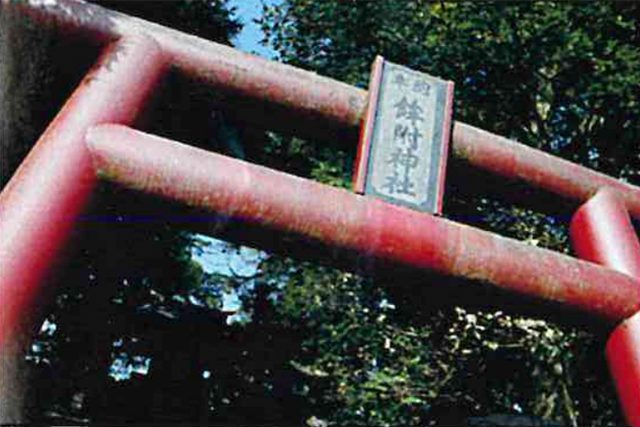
x=557 y=76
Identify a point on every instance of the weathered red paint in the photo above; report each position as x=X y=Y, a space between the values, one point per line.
x=342 y=219
x=39 y=205
x=601 y=232
x=361 y=164
x=310 y=96
x=446 y=137
x=515 y=161
x=623 y=356
x=323 y=103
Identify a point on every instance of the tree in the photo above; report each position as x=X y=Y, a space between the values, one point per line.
x=558 y=76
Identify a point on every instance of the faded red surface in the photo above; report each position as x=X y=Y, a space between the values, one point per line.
x=40 y=204
x=361 y=163
x=342 y=219
x=601 y=232
x=319 y=104
x=38 y=207
x=623 y=355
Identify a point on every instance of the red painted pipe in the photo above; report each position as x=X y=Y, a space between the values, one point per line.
x=39 y=205
x=342 y=219
x=518 y=162
x=323 y=103
x=623 y=356
x=601 y=231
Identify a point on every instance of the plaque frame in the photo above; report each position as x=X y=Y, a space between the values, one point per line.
x=437 y=147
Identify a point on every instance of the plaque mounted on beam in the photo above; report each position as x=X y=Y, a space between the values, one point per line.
x=404 y=139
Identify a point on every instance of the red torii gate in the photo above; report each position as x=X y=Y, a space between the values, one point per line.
x=89 y=139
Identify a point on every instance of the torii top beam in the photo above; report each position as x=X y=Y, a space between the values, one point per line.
x=322 y=105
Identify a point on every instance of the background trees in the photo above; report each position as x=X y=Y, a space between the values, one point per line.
x=556 y=76
x=137 y=333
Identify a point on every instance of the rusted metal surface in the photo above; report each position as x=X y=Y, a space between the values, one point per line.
x=322 y=103
x=368 y=226
x=40 y=203
x=601 y=231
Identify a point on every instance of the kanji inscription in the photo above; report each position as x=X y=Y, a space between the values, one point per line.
x=409 y=139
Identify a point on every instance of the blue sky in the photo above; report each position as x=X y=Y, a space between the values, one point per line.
x=221 y=257
x=249 y=38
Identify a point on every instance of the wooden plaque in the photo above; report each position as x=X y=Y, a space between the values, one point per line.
x=404 y=139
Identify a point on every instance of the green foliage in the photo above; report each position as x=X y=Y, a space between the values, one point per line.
x=558 y=76
x=365 y=361
x=549 y=74
x=205 y=18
